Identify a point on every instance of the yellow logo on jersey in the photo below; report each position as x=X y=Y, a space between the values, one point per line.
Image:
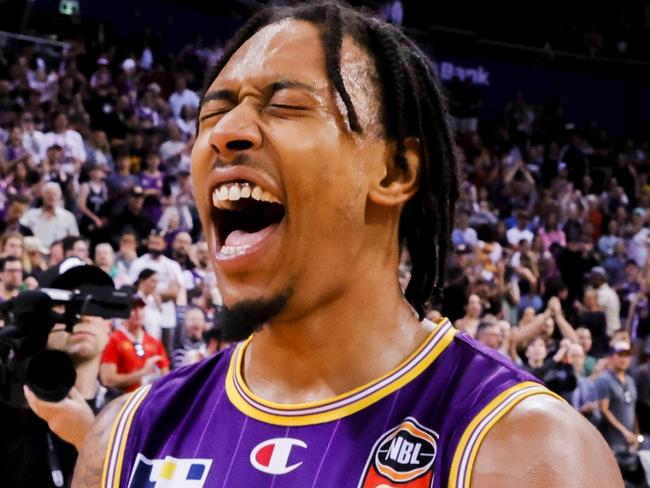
x=169 y=472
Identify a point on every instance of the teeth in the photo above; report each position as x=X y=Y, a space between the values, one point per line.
x=257 y=193
x=234 y=193
x=267 y=197
x=231 y=192
x=233 y=250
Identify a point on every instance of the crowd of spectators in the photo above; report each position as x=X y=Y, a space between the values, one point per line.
x=549 y=263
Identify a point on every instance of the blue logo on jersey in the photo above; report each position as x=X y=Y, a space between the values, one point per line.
x=169 y=472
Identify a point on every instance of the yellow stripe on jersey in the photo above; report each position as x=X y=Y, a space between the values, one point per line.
x=113 y=461
x=287 y=415
x=111 y=440
x=462 y=465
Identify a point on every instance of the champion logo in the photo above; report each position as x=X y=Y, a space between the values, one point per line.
x=403 y=455
x=272 y=456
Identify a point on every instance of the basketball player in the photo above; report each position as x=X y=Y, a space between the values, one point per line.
x=322 y=146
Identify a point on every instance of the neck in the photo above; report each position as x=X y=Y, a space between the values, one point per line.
x=7 y=292
x=347 y=342
x=86 y=381
x=133 y=331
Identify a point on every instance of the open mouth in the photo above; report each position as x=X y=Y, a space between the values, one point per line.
x=244 y=214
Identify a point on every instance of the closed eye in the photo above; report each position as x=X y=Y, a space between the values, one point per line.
x=287 y=107
x=213 y=114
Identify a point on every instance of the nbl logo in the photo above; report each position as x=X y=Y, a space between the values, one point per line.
x=403 y=455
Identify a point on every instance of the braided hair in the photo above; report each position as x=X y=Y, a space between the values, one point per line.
x=412 y=105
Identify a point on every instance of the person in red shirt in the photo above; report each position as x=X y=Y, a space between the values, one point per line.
x=132 y=357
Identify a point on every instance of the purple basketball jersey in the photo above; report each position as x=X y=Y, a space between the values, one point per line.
x=420 y=425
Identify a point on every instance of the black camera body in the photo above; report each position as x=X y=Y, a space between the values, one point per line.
x=28 y=320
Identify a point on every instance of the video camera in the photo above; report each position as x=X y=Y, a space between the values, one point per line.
x=28 y=320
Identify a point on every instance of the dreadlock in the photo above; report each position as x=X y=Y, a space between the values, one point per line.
x=412 y=106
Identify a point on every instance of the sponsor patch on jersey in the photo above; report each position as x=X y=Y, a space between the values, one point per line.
x=275 y=455
x=402 y=457
x=169 y=472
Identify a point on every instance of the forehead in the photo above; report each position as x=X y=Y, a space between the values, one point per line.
x=292 y=50
x=194 y=313
x=271 y=52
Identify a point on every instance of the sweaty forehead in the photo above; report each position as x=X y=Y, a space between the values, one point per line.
x=293 y=49
x=273 y=52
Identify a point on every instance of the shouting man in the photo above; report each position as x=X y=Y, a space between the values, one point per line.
x=322 y=148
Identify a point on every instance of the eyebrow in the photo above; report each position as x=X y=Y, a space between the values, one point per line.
x=229 y=95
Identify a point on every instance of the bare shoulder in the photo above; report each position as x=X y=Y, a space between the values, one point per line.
x=544 y=442
x=88 y=470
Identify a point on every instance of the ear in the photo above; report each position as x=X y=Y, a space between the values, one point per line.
x=397 y=182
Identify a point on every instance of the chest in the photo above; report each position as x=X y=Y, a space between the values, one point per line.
x=369 y=450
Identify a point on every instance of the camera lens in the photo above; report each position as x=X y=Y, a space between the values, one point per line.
x=50 y=375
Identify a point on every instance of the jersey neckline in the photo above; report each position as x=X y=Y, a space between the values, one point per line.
x=340 y=406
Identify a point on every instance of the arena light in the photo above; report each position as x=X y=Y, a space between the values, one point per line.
x=69 y=7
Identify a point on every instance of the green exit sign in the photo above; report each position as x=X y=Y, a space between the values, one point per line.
x=69 y=7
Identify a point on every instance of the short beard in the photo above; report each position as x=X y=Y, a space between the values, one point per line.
x=242 y=319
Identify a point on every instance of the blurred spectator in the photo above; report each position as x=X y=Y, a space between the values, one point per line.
x=151 y=181
x=556 y=371
x=172 y=149
x=520 y=232
x=585 y=341
x=470 y=321
x=617 y=393
x=187 y=121
x=170 y=281
x=490 y=333
x=91 y=202
x=182 y=96
x=638 y=321
x=33 y=140
x=638 y=237
x=628 y=285
x=608 y=300
x=133 y=218
x=120 y=183
x=132 y=357
x=193 y=346
x=50 y=222
x=127 y=252
x=585 y=396
x=105 y=260
x=463 y=233
x=11 y=244
x=36 y=254
x=74 y=151
x=146 y=286
x=642 y=380
x=595 y=321
x=551 y=233
x=76 y=246
x=16 y=208
x=608 y=241
x=98 y=151
x=11 y=277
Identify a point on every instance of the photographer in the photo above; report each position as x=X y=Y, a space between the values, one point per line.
x=39 y=443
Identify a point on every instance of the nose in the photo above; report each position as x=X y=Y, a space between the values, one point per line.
x=235 y=132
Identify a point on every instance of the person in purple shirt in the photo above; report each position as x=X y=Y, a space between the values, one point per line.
x=322 y=149
x=151 y=181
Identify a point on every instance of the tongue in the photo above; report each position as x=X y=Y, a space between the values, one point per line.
x=241 y=238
